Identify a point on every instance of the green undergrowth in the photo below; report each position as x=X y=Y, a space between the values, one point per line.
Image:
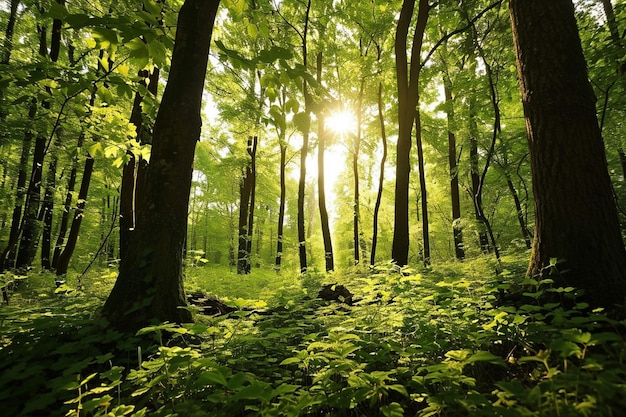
x=440 y=342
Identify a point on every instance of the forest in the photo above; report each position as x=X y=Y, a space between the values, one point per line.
x=312 y=208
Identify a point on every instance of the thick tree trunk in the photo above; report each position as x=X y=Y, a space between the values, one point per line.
x=455 y=197
x=576 y=220
x=150 y=282
x=381 y=178
x=408 y=99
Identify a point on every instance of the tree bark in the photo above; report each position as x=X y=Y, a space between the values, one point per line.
x=304 y=151
x=455 y=197
x=281 y=205
x=7 y=47
x=7 y=260
x=576 y=220
x=72 y=238
x=381 y=178
x=250 y=228
x=321 y=185
x=408 y=99
x=134 y=171
x=150 y=281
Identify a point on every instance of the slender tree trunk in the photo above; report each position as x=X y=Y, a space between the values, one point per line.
x=381 y=178
x=72 y=239
x=134 y=171
x=304 y=151
x=455 y=197
x=475 y=176
x=408 y=99
x=356 y=206
x=576 y=220
x=281 y=206
x=67 y=206
x=321 y=186
x=518 y=209
x=46 y=214
x=150 y=284
x=7 y=260
x=7 y=47
x=245 y=189
x=250 y=229
x=31 y=226
x=423 y=193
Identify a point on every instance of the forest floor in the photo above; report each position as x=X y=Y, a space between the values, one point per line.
x=436 y=342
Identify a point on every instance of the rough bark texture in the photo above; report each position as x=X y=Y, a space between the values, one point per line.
x=150 y=282
x=576 y=219
x=281 y=207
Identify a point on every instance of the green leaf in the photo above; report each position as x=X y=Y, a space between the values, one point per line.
x=302 y=122
x=212 y=377
x=158 y=53
x=55 y=10
x=392 y=410
x=484 y=356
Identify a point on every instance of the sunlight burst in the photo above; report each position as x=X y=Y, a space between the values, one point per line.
x=341 y=122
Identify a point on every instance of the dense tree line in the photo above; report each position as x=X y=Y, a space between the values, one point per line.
x=274 y=183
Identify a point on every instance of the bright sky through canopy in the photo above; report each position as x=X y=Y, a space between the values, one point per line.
x=341 y=122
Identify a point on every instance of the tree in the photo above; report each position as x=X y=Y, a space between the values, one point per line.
x=576 y=221
x=408 y=98
x=149 y=285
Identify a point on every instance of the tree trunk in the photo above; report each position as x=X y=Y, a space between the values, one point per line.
x=67 y=206
x=576 y=220
x=455 y=197
x=7 y=260
x=150 y=282
x=245 y=211
x=408 y=99
x=475 y=176
x=72 y=239
x=281 y=206
x=250 y=228
x=134 y=171
x=304 y=151
x=7 y=47
x=46 y=214
x=31 y=226
x=518 y=210
x=321 y=186
x=356 y=207
x=381 y=178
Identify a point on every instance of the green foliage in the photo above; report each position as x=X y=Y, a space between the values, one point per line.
x=444 y=342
